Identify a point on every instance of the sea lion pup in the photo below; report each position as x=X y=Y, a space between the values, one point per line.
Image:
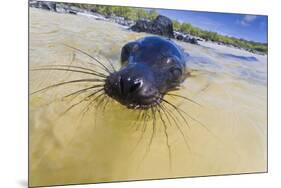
x=151 y=66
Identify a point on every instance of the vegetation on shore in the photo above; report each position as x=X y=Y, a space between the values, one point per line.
x=128 y=13
x=215 y=37
x=131 y=13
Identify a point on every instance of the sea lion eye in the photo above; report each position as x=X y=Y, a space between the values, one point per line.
x=169 y=60
x=175 y=73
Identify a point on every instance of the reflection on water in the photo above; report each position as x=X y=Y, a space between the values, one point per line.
x=88 y=145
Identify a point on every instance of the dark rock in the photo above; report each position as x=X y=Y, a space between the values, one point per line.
x=186 y=37
x=47 y=5
x=142 y=26
x=179 y=37
x=72 y=12
x=191 y=40
x=61 y=8
x=33 y=3
x=160 y=26
x=76 y=9
x=164 y=26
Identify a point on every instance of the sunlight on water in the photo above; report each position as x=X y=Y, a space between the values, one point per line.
x=103 y=144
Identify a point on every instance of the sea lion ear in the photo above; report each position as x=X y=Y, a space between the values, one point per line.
x=127 y=49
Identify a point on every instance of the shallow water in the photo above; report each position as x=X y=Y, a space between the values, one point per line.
x=103 y=144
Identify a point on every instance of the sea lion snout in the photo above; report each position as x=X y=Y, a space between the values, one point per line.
x=133 y=86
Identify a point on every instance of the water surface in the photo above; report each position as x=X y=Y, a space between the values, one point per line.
x=103 y=145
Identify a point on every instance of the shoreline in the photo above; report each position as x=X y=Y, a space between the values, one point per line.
x=64 y=8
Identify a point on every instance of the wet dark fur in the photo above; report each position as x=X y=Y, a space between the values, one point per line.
x=151 y=67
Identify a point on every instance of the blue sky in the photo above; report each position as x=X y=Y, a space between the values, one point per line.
x=248 y=27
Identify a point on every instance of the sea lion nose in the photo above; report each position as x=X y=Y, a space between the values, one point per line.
x=128 y=85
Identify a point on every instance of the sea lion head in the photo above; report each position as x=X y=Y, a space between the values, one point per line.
x=151 y=67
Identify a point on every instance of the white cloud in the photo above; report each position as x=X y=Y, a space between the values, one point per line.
x=247 y=20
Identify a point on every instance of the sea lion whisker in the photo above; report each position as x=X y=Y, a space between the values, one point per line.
x=83 y=90
x=183 y=97
x=100 y=102
x=110 y=63
x=85 y=110
x=137 y=120
x=97 y=66
x=153 y=126
x=72 y=106
x=142 y=118
x=152 y=134
x=79 y=102
x=192 y=118
x=88 y=106
x=75 y=67
x=169 y=114
x=163 y=109
x=96 y=89
x=92 y=57
x=167 y=137
x=68 y=82
x=177 y=110
x=144 y=124
x=147 y=117
x=70 y=70
x=106 y=103
x=200 y=123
